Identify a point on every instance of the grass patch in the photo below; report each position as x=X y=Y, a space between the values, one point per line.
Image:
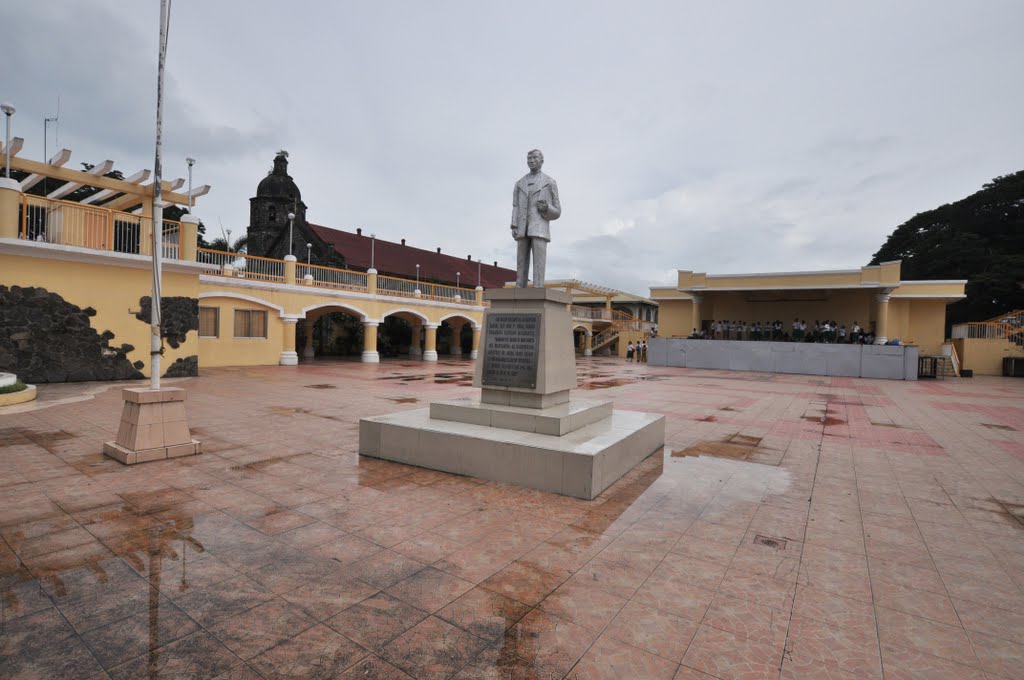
x=18 y=386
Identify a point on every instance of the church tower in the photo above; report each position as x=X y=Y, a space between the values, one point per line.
x=276 y=196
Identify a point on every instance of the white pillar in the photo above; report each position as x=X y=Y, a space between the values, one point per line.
x=588 y=344
x=475 y=352
x=430 y=342
x=456 y=345
x=370 y=354
x=288 y=356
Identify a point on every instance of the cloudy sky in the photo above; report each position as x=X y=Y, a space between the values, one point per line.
x=720 y=137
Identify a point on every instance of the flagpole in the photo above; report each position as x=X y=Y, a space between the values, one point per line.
x=155 y=345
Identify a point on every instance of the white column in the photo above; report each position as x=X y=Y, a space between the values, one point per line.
x=430 y=342
x=475 y=352
x=881 y=318
x=370 y=354
x=288 y=356
x=588 y=344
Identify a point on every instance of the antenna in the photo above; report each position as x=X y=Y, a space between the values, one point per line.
x=46 y=128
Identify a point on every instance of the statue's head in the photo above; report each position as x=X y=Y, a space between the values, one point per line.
x=534 y=159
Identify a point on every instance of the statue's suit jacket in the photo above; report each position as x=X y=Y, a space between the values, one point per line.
x=525 y=217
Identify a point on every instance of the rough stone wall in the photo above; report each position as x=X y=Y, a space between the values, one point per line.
x=44 y=338
x=185 y=367
x=178 y=316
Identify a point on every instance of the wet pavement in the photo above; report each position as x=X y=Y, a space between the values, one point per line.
x=793 y=527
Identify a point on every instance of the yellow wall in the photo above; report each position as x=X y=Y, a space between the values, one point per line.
x=983 y=356
x=842 y=305
x=674 y=318
x=227 y=350
x=927 y=325
x=109 y=289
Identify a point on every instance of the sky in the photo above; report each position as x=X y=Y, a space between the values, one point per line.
x=721 y=137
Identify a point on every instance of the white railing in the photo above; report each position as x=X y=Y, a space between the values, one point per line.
x=388 y=285
x=328 y=277
x=240 y=265
x=85 y=226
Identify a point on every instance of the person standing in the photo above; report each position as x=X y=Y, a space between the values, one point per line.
x=629 y=351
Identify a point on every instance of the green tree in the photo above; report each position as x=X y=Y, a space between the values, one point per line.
x=979 y=238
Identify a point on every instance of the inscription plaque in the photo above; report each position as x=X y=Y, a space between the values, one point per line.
x=511 y=345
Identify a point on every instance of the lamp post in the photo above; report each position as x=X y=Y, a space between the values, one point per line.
x=373 y=244
x=309 y=254
x=8 y=111
x=417 y=279
x=458 y=279
x=191 y=162
x=291 y=224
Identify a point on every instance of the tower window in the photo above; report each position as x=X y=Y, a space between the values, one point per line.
x=272 y=213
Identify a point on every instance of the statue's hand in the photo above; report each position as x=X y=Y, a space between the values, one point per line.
x=542 y=206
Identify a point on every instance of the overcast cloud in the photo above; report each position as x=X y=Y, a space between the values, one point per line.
x=720 y=137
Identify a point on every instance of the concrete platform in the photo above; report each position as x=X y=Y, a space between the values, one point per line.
x=582 y=463
x=554 y=420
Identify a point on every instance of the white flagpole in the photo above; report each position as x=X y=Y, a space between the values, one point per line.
x=155 y=344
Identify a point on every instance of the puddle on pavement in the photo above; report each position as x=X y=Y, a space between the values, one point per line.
x=601 y=384
x=438 y=378
x=707 y=419
x=403 y=400
x=734 y=447
x=996 y=426
x=322 y=386
x=900 y=427
x=827 y=421
x=262 y=463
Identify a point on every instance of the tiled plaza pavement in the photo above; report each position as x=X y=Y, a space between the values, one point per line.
x=794 y=527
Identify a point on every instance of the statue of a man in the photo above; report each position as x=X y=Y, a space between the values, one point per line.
x=534 y=205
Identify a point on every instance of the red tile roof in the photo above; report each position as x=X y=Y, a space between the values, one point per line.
x=397 y=259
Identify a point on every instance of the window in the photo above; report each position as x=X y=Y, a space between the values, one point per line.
x=209 y=322
x=250 y=323
x=272 y=214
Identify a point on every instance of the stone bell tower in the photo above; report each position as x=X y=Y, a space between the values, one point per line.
x=276 y=196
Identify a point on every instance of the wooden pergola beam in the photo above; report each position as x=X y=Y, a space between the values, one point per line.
x=97 y=171
x=60 y=158
x=142 y=192
x=138 y=178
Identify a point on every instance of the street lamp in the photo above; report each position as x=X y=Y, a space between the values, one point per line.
x=373 y=243
x=8 y=111
x=309 y=254
x=458 y=279
x=291 y=224
x=191 y=162
x=417 y=280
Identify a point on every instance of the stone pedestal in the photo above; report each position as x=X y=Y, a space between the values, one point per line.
x=523 y=428
x=153 y=427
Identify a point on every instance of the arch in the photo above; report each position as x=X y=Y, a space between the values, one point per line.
x=355 y=311
x=405 y=310
x=457 y=315
x=247 y=298
x=580 y=327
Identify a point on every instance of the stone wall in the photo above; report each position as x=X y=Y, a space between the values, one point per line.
x=44 y=338
x=859 y=361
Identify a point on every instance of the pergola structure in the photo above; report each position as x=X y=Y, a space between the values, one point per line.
x=133 y=194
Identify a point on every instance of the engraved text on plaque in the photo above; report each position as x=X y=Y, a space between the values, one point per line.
x=511 y=343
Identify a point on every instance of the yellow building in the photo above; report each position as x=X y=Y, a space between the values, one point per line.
x=874 y=296
x=75 y=283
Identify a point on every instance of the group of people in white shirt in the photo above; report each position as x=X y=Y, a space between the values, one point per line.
x=828 y=331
